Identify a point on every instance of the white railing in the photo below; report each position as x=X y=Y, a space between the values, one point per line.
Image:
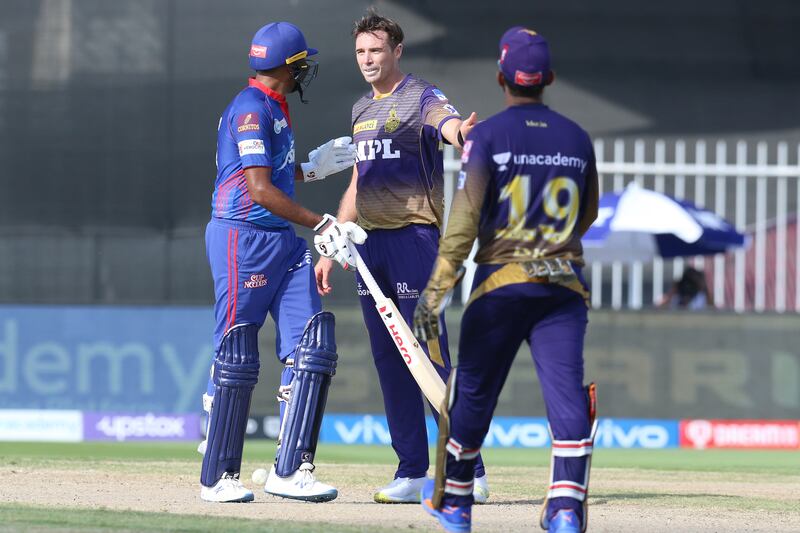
x=754 y=186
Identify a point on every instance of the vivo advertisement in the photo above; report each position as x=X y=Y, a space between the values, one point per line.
x=104 y=359
x=510 y=432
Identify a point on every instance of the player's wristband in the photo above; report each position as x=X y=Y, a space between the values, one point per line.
x=460 y=138
x=325 y=219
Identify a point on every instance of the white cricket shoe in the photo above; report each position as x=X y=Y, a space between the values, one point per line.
x=480 y=491
x=300 y=486
x=227 y=490
x=401 y=490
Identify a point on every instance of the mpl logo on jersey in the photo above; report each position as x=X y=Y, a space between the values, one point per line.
x=753 y=434
x=369 y=150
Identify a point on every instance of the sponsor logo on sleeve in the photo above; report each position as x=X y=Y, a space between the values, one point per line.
x=278 y=125
x=439 y=94
x=255 y=281
x=251 y=147
x=462 y=179
x=527 y=79
x=451 y=109
x=465 y=152
x=247 y=122
x=258 y=51
x=367 y=125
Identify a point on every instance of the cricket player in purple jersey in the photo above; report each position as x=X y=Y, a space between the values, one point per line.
x=397 y=195
x=527 y=191
x=260 y=266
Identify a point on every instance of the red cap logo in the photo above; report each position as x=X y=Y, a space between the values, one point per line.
x=258 y=51
x=526 y=79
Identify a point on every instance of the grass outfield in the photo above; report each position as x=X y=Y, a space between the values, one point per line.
x=697 y=483
x=754 y=461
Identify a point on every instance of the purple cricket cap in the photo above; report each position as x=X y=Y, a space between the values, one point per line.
x=524 y=57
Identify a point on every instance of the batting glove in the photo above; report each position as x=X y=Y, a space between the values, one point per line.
x=332 y=157
x=334 y=238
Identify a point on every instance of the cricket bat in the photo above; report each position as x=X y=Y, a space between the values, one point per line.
x=418 y=363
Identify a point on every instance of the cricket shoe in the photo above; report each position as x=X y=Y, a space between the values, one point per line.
x=227 y=490
x=299 y=486
x=401 y=490
x=481 y=489
x=456 y=519
x=565 y=521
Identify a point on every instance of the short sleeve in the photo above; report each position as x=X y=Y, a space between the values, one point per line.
x=435 y=108
x=252 y=136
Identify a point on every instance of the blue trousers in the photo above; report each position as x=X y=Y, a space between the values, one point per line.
x=401 y=261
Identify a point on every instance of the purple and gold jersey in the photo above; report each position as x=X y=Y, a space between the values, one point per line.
x=521 y=189
x=399 y=161
x=254 y=131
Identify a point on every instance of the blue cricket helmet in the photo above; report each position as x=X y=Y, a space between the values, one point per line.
x=276 y=44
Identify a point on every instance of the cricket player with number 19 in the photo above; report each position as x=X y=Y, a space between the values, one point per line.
x=528 y=191
x=261 y=266
x=397 y=195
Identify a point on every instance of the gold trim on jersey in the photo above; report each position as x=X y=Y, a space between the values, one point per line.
x=513 y=273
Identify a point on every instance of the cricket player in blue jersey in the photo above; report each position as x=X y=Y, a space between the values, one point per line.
x=397 y=195
x=527 y=191
x=260 y=266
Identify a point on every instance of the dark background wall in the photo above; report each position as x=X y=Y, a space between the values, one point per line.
x=108 y=110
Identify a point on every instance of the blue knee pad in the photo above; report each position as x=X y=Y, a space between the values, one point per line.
x=235 y=375
x=314 y=366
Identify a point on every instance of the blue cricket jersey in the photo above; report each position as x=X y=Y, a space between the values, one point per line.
x=254 y=131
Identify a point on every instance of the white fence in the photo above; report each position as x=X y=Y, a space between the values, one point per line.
x=754 y=186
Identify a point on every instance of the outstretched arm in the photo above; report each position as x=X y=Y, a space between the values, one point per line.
x=453 y=127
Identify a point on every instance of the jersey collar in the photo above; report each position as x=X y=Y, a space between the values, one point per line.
x=399 y=86
x=278 y=97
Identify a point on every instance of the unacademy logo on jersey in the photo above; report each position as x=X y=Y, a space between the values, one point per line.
x=369 y=150
x=556 y=159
